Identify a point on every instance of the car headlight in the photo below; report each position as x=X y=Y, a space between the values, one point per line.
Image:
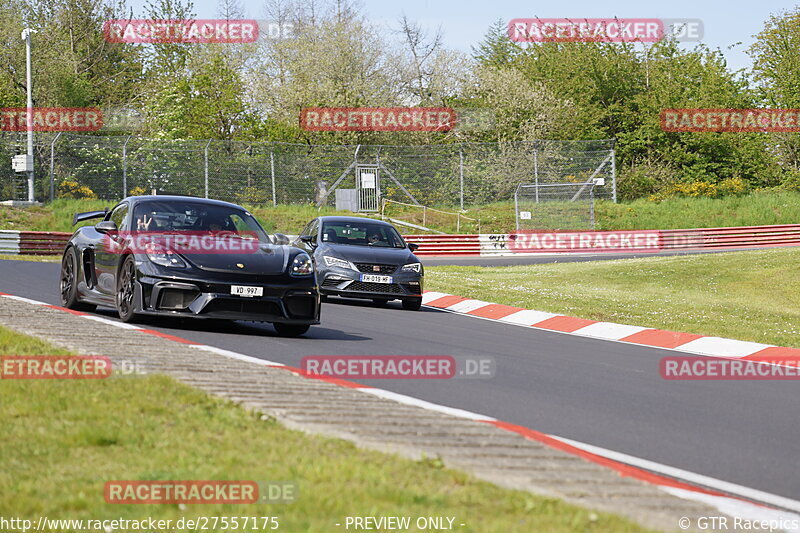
x=412 y=267
x=167 y=258
x=302 y=265
x=335 y=261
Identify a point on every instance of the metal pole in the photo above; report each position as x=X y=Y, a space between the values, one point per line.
x=536 y=171
x=205 y=161
x=614 y=173
x=26 y=36
x=272 y=173
x=52 y=166
x=125 y=167
x=516 y=206
x=461 y=176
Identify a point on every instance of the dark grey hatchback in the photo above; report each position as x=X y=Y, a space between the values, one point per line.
x=359 y=257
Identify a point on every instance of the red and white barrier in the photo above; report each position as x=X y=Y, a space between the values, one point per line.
x=522 y=243
x=626 y=241
x=33 y=242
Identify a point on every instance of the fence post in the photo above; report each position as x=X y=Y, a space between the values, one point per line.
x=125 y=167
x=52 y=167
x=205 y=167
x=272 y=174
x=614 y=173
x=461 y=175
x=535 y=171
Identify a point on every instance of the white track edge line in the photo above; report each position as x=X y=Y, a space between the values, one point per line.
x=677 y=473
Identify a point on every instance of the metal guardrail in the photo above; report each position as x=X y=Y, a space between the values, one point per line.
x=657 y=240
x=52 y=243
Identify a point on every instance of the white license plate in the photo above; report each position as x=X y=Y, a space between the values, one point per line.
x=241 y=290
x=374 y=278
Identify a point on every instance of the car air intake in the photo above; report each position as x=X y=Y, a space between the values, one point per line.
x=176 y=299
x=301 y=306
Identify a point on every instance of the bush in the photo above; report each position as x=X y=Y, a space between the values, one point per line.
x=72 y=189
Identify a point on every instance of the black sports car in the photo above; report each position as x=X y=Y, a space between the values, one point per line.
x=188 y=257
x=363 y=258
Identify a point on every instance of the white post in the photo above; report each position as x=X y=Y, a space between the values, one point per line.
x=26 y=36
x=461 y=177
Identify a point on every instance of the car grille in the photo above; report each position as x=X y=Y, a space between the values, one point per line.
x=332 y=282
x=362 y=286
x=255 y=307
x=369 y=268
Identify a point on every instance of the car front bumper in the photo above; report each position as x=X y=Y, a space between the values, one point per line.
x=347 y=283
x=294 y=301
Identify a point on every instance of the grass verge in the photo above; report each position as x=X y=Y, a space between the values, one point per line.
x=742 y=295
x=62 y=440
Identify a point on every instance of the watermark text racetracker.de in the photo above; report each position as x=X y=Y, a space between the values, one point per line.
x=585 y=241
x=54 y=367
x=610 y=30
x=700 y=120
x=182 y=242
x=713 y=368
x=51 y=119
x=150 y=524
x=190 y=492
x=398 y=366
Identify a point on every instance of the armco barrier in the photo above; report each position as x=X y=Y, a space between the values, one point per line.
x=33 y=242
x=52 y=243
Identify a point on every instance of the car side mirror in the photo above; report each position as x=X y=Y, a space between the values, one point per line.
x=307 y=239
x=413 y=246
x=106 y=226
x=281 y=239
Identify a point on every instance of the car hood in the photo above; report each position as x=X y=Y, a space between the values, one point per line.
x=369 y=254
x=268 y=259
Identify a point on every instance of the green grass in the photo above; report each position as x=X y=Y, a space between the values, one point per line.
x=758 y=208
x=742 y=295
x=62 y=440
x=755 y=209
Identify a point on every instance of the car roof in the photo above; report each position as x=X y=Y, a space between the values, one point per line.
x=333 y=218
x=175 y=198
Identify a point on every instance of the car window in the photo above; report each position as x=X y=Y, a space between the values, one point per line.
x=361 y=234
x=118 y=216
x=170 y=216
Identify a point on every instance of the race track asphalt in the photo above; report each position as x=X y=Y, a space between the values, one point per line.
x=605 y=393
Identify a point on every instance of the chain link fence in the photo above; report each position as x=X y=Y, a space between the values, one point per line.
x=555 y=206
x=453 y=175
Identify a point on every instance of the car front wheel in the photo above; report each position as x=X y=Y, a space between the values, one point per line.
x=126 y=285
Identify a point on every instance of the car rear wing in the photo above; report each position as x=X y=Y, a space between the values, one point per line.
x=89 y=215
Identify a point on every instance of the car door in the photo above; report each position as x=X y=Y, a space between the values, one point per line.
x=107 y=256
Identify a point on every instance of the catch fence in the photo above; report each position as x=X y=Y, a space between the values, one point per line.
x=272 y=173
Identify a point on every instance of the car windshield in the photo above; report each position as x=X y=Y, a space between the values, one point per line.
x=361 y=234
x=171 y=216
